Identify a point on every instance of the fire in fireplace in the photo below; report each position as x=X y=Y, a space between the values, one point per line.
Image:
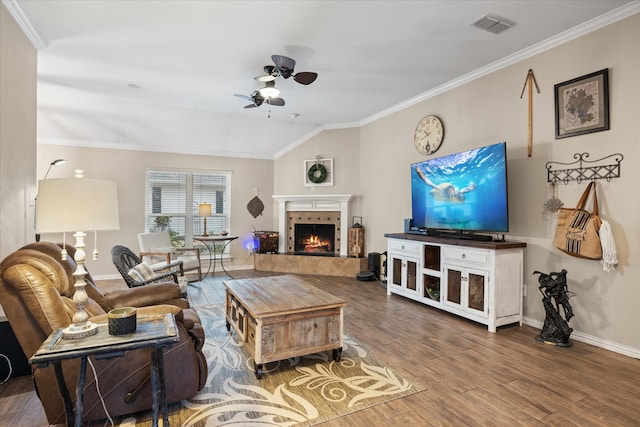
x=314 y=239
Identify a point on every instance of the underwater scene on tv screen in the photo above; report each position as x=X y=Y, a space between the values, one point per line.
x=464 y=191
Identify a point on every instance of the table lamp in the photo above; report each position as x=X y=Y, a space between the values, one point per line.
x=70 y=205
x=204 y=209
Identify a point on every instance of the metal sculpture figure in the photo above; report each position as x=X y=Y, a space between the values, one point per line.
x=553 y=287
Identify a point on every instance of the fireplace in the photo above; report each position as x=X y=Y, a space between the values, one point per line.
x=314 y=239
x=313 y=209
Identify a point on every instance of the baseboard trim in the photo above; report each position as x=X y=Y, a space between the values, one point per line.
x=591 y=340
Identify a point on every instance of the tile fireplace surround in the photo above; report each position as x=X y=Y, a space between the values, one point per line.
x=330 y=208
x=335 y=206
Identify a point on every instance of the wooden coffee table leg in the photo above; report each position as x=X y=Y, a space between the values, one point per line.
x=258 y=370
x=337 y=354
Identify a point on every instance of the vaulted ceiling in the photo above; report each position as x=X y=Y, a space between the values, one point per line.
x=161 y=75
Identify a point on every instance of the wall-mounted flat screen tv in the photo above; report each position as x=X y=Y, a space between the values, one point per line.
x=462 y=192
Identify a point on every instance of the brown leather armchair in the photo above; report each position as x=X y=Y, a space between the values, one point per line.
x=36 y=288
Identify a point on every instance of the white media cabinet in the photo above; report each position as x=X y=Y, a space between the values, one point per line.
x=481 y=281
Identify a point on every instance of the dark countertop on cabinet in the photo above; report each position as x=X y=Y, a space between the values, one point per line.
x=496 y=245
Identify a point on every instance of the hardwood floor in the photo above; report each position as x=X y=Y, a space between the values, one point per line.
x=472 y=377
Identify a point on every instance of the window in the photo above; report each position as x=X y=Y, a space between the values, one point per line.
x=172 y=199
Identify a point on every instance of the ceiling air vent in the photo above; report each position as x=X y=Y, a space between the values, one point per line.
x=493 y=24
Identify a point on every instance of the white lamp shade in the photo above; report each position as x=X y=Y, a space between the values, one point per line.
x=76 y=204
x=204 y=209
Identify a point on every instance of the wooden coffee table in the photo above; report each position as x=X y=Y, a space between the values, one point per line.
x=279 y=317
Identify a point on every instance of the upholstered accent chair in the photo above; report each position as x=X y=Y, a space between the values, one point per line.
x=156 y=250
x=36 y=290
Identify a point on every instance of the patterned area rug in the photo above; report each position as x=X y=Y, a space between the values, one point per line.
x=297 y=392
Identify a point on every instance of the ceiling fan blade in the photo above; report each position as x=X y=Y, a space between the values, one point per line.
x=255 y=98
x=279 y=102
x=248 y=98
x=305 y=77
x=284 y=64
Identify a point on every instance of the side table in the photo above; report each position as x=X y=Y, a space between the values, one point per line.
x=155 y=332
x=214 y=240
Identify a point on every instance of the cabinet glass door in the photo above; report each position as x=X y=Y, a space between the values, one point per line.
x=454 y=286
x=476 y=291
x=412 y=275
x=396 y=273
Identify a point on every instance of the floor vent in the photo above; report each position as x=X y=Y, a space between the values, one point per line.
x=493 y=24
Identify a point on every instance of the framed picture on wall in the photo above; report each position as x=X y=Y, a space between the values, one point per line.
x=318 y=172
x=582 y=105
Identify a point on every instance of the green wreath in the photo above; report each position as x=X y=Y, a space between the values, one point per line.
x=317 y=173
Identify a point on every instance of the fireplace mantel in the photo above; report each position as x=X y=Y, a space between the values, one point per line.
x=314 y=202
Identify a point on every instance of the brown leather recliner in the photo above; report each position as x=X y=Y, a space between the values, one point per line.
x=36 y=288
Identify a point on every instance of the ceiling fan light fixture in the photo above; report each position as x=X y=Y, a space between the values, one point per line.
x=265 y=78
x=269 y=90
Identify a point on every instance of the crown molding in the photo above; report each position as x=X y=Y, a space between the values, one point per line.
x=298 y=142
x=594 y=24
x=611 y=17
x=23 y=22
x=311 y=134
x=602 y=21
x=68 y=142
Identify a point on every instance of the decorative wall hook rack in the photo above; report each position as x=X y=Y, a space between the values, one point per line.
x=585 y=170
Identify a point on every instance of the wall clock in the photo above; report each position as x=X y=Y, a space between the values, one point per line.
x=428 y=135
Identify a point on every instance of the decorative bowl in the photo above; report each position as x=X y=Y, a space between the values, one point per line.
x=122 y=320
x=433 y=294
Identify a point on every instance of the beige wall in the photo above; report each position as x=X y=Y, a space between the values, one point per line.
x=341 y=145
x=127 y=169
x=372 y=162
x=18 y=66
x=489 y=110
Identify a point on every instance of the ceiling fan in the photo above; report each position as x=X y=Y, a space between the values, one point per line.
x=284 y=67
x=258 y=99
